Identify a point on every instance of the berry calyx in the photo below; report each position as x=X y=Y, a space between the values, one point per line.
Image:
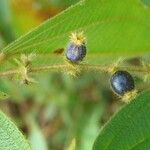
x=76 y=49
x=122 y=82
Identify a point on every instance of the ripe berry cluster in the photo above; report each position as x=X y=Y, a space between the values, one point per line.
x=121 y=82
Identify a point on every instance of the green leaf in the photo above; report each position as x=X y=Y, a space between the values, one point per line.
x=64 y=3
x=112 y=28
x=89 y=126
x=10 y=137
x=37 y=139
x=72 y=146
x=128 y=129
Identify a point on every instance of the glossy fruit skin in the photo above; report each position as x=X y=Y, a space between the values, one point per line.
x=122 y=82
x=76 y=53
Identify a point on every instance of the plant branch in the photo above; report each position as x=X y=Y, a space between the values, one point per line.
x=88 y=67
x=9 y=73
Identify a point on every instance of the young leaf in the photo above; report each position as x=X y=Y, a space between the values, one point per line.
x=128 y=129
x=112 y=28
x=10 y=137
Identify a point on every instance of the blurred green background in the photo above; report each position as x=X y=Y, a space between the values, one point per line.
x=59 y=108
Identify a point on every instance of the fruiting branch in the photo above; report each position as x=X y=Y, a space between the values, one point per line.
x=85 y=67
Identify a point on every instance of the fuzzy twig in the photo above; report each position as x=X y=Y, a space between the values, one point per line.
x=61 y=67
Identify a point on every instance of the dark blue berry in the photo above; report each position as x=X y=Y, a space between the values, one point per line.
x=122 y=82
x=75 y=53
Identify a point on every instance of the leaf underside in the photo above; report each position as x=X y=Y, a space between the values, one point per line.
x=10 y=137
x=112 y=28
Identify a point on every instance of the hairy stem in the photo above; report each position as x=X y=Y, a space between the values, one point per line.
x=86 y=67
x=9 y=73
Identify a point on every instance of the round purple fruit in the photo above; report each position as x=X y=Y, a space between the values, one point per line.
x=75 y=53
x=122 y=82
x=76 y=49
